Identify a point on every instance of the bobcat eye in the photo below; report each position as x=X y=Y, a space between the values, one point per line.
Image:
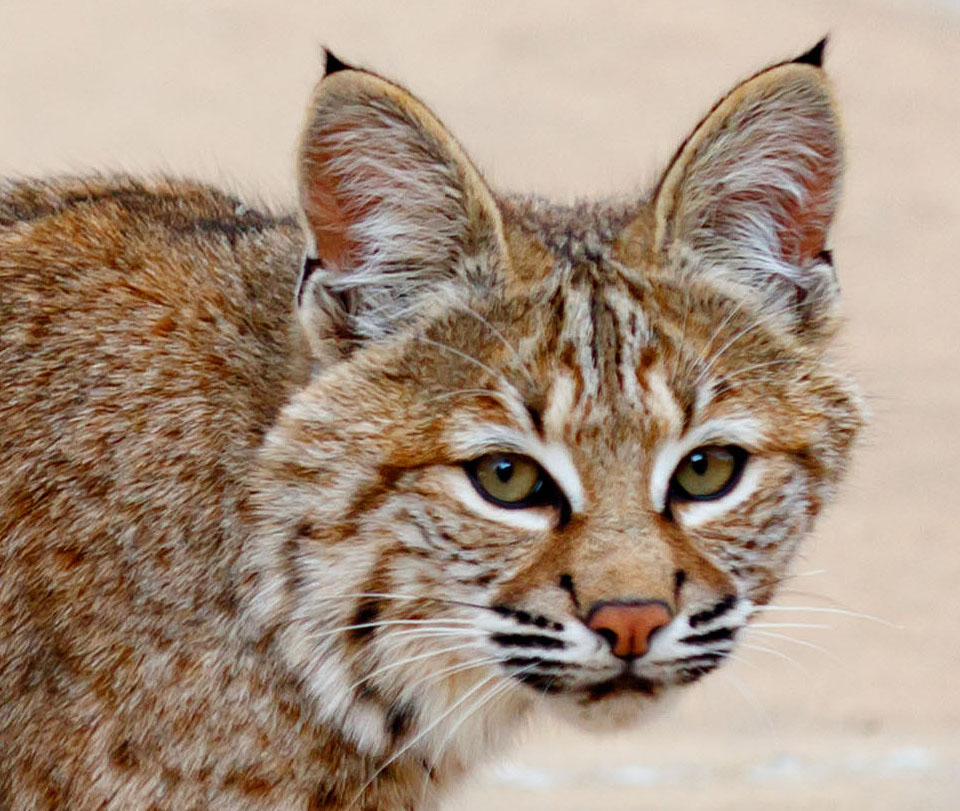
x=708 y=472
x=513 y=481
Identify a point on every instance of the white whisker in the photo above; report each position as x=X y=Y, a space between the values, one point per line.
x=452 y=670
x=825 y=610
x=801 y=642
x=751 y=700
x=469 y=358
x=466 y=392
x=755 y=366
x=775 y=652
x=384 y=623
x=419 y=657
x=737 y=336
x=425 y=731
x=523 y=368
x=496 y=691
x=789 y=625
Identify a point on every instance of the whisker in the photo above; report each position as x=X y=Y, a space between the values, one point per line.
x=439 y=719
x=755 y=366
x=409 y=597
x=826 y=610
x=755 y=325
x=384 y=623
x=465 y=392
x=729 y=655
x=716 y=332
x=495 y=692
x=428 y=633
x=419 y=657
x=452 y=670
x=811 y=595
x=777 y=653
x=751 y=700
x=523 y=367
x=469 y=358
x=789 y=625
x=801 y=642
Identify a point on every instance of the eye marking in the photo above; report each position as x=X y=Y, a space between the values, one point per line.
x=743 y=432
x=515 y=482
x=707 y=473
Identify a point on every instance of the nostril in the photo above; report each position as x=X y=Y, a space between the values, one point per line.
x=608 y=634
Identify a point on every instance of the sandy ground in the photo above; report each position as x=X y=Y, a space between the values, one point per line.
x=586 y=98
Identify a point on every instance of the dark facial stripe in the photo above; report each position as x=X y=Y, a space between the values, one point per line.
x=525 y=618
x=718 y=635
x=528 y=641
x=718 y=610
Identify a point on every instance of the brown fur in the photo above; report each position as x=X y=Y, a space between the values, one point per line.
x=228 y=494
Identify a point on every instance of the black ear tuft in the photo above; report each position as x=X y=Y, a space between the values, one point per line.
x=814 y=56
x=333 y=65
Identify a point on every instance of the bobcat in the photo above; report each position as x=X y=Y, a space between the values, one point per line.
x=311 y=513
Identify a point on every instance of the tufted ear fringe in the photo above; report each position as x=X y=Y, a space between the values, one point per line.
x=753 y=191
x=395 y=213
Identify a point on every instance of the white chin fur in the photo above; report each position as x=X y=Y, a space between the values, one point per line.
x=615 y=712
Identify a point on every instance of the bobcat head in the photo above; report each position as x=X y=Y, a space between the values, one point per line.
x=547 y=455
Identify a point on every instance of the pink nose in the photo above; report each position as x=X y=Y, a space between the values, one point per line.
x=628 y=627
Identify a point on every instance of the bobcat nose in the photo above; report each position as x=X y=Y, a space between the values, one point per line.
x=628 y=627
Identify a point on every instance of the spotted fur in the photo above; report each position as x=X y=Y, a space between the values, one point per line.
x=242 y=564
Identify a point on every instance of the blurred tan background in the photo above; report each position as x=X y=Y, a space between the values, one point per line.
x=587 y=98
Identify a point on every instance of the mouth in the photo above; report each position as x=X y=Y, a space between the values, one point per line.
x=621 y=684
x=624 y=683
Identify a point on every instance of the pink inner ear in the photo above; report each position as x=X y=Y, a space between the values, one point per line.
x=803 y=224
x=330 y=212
x=328 y=222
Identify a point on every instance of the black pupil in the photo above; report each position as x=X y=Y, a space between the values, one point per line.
x=504 y=470
x=698 y=462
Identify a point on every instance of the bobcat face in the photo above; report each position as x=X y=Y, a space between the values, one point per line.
x=547 y=452
x=605 y=396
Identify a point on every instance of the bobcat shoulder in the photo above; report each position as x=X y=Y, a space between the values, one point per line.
x=311 y=512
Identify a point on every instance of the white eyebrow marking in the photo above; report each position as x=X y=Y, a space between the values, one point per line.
x=743 y=431
x=660 y=401
x=559 y=405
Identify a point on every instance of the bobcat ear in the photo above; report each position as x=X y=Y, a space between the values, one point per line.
x=395 y=213
x=754 y=189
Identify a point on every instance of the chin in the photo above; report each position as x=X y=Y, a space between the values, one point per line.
x=613 y=712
